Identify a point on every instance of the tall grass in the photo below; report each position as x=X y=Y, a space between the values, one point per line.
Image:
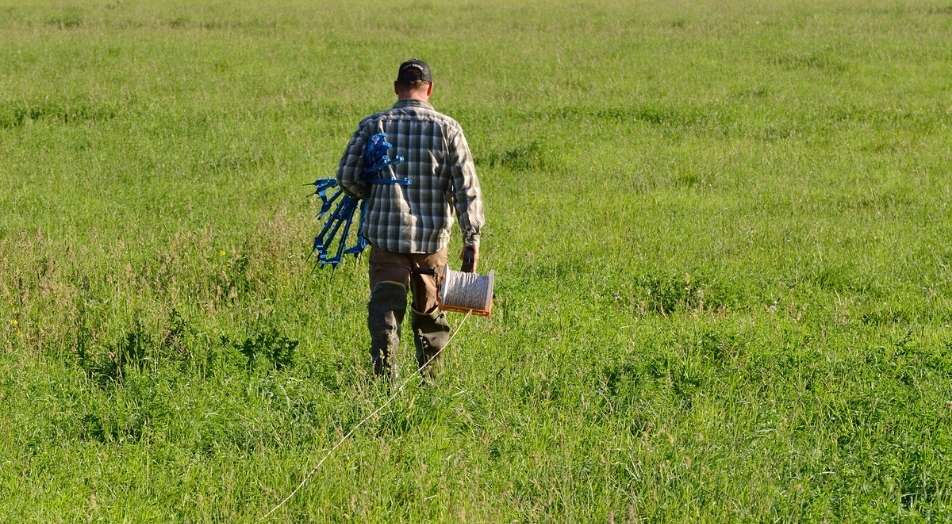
x=721 y=232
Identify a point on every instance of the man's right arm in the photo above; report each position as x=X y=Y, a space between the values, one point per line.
x=351 y=165
x=467 y=197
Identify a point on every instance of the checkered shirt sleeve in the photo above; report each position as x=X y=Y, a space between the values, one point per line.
x=465 y=188
x=351 y=165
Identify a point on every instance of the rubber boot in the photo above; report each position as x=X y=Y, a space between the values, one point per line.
x=388 y=303
x=431 y=332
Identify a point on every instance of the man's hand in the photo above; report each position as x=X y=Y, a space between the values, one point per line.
x=469 y=256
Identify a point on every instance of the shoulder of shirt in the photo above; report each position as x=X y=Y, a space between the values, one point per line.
x=413 y=113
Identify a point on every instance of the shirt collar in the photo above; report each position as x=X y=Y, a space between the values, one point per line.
x=409 y=102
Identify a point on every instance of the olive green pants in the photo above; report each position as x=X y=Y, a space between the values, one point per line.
x=392 y=275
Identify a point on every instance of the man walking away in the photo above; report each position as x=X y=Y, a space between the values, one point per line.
x=408 y=224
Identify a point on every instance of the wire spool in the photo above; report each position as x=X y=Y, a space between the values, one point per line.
x=467 y=292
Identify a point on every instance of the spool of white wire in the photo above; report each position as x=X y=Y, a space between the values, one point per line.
x=466 y=292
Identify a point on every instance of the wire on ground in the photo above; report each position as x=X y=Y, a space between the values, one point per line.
x=314 y=470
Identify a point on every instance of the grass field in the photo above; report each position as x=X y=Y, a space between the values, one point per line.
x=721 y=232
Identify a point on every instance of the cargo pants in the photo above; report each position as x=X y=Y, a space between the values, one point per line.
x=392 y=275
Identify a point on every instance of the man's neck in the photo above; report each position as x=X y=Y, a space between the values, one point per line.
x=417 y=98
x=408 y=101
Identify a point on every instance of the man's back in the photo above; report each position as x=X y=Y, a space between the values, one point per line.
x=416 y=218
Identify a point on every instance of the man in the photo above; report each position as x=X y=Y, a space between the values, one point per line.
x=408 y=226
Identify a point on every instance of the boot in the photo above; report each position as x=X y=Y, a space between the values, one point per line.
x=388 y=303
x=431 y=332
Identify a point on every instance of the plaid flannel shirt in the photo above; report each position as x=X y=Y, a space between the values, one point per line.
x=416 y=218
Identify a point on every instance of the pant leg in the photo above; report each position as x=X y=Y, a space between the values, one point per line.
x=389 y=280
x=431 y=330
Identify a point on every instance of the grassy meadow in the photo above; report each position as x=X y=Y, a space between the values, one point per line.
x=721 y=232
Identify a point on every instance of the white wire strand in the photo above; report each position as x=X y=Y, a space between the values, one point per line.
x=314 y=470
x=468 y=290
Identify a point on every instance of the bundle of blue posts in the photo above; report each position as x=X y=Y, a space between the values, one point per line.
x=331 y=243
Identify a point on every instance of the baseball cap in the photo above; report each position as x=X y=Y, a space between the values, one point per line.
x=413 y=70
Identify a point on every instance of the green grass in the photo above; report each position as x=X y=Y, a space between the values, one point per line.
x=721 y=232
